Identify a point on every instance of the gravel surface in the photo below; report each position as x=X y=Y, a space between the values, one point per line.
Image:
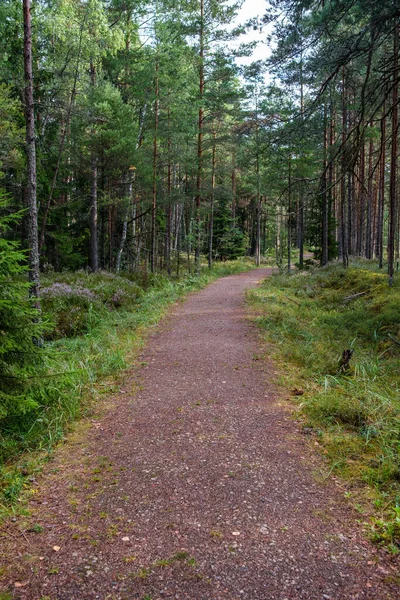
x=197 y=485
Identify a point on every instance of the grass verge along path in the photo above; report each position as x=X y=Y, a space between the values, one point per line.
x=352 y=411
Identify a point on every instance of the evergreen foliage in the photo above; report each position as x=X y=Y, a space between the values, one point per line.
x=19 y=325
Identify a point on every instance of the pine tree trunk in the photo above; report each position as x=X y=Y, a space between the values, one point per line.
x=325 y=202
x=94 y=251
x=168 y=224
x=200 y=141
x=300 y=222
x=393 y=159
x=361 y=201
x=31 y=202
x=234 y=187
x=370 y=200
x=155 y=161
x=211 y=223
x=289 y=227
x=343 y=245
x=258 y=207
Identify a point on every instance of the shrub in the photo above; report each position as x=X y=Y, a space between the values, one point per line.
x=19 y=325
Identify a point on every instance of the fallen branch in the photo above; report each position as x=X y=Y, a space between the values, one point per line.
x=291 y=300
x=395 y=340
x=354 y=296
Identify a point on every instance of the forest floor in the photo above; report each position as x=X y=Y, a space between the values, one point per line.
x=193 y=483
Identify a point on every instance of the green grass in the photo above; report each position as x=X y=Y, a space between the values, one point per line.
x=97 y=325
x=312 y=317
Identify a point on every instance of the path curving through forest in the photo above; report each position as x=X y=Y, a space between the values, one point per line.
x=196 y=486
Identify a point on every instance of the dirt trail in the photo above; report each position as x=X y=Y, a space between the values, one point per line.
x=196 y=487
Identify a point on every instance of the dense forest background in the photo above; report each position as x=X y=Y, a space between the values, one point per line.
x=152 y=144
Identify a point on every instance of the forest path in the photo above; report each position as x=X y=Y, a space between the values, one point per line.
x=197 y=486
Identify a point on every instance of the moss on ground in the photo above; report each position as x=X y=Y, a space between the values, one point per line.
x=312 y=317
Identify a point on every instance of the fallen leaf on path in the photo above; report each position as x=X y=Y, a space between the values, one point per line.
x=235 y=532
x=20 y=584
x=56 y=548
x=125 y=539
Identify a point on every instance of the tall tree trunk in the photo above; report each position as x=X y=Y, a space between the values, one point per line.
x=331 y=172
x=300 y=220
x=94 y=251
x=168 y=216
x=122 y=239
x=200 y=140
x=33 y=240
x=370 y=200
x=258 y=207
x=393 y=158
x=155 y=161
x=234 y=187
x=361 y=200
x=325 y=201
x=343 y=230
x=289 y=223
x=211 y=222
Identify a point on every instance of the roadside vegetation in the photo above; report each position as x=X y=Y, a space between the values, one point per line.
x=92 y=327
x=349 y=403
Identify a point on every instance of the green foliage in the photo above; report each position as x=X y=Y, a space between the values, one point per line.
x=313 y=317
x=231 y=242
x=19 y=326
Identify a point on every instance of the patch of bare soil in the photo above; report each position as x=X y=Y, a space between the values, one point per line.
x=197 y=486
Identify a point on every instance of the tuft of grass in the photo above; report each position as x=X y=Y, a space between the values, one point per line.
x=312 y=317
x=97 y=325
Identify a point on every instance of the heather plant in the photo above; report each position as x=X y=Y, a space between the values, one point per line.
x=69 y=309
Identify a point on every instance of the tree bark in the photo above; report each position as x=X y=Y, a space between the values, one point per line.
x=370 y=200
x=393 y=158
x=211 y=223
x=200 y=141
x=289 y=224
x=343 y=229
x=31 y=201
x=155 y=161
x=168 y=216
x=325 y=202
x=94 y=249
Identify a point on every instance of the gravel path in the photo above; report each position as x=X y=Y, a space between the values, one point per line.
x=196 y=485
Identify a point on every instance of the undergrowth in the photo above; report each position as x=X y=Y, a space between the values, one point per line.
x=96 y=324
x=312 y=317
